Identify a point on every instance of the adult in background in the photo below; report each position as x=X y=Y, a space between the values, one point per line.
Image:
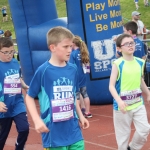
x=146 y=4
x=142 y=31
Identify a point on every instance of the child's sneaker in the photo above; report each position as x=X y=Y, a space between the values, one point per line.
x=128 y=148
x=89 y=115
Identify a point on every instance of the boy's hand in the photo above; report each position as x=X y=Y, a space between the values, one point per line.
x=84 y=123
x=3 y=107
x=122 y=105
x=40 y=126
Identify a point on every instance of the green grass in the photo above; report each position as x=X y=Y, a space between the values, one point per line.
x=127 y=6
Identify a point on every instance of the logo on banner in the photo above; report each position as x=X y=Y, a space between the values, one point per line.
x=103 y=52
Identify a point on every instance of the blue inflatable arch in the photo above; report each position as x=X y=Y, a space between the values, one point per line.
x=95 y=21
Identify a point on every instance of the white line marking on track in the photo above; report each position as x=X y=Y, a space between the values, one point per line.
x=108 y=134
x=105 y=135
x=94 y=120
x=102 y=115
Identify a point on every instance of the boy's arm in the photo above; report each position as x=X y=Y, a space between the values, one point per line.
x=24 y=86
x=113 y=78
x=3 y=107
x=84 y=122
x=40 y=127
x=145 y=89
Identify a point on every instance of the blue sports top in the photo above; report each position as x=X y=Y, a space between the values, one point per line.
x=75 y=58
x=14 y=102
x=4 y=11
x=53 y=84
x=1 y=32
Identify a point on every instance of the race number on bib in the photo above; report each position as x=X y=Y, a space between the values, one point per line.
x=131 y=97
x=62 y=109
x=12 y=86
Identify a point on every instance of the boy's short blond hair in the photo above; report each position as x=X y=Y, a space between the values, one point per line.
x=57 y=34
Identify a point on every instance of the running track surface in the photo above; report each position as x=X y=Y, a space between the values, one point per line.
x=99 y=136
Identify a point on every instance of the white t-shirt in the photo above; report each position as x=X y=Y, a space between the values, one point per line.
x=140 y=29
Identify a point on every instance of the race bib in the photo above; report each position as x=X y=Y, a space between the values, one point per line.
x=131 y=97
x=62 y=109
x=12 y=86
x=86 y=68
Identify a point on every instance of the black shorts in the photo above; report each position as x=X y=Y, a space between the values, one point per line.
x=4 y=15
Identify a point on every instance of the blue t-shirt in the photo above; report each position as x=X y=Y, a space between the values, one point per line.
x=56 y=83
x=75 y=58
x=4 y=11
x=139 y=49
x=14 y=102
x=1 y=32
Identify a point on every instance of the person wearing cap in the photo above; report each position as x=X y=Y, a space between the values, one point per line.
x=141 y=28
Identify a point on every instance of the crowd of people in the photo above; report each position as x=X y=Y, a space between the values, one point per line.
x=62 y=117
x=146 y=4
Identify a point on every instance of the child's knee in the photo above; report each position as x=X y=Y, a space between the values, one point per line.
x=145 y=132
x=24 y=131
x=24 y=128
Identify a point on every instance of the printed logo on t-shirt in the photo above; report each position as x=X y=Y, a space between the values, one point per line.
x=137 y=46
x=62 y=88
x=12 y=73
x=79 y=57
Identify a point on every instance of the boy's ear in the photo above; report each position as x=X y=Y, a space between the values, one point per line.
x=130 y=32
x=52 y=47
x=118 y=49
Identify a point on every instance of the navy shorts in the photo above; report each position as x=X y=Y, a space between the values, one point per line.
x=4 y=15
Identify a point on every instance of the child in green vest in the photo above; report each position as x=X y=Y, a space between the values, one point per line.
x=126 y=86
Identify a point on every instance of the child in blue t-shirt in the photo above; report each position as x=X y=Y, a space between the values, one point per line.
x=12 y=107
x=56 y=83
x=131 y=29
x=4 y=13
x=80 y=57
